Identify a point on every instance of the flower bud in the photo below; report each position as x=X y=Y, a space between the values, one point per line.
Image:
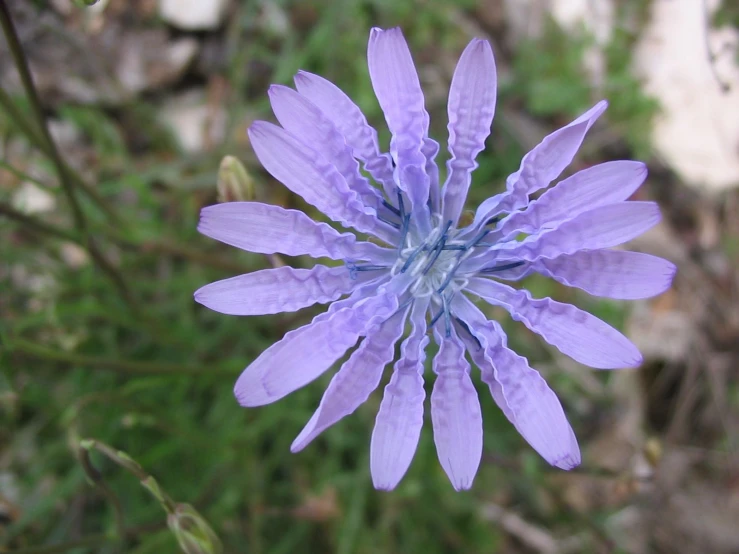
x=234 y=182
x=193 y=533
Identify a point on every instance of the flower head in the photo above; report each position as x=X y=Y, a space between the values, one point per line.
x=429 y=266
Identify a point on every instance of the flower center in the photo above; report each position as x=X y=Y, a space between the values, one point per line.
x=432 y=260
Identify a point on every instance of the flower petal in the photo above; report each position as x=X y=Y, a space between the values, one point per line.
x=305 y=353
x=271 y=291
x=455 y=413
x=305 y=172
x=602 y=227
x=304 y=120
x=575 y=332
x=356 y=380
x=395 y=82
x=400 y=417
x=611 y=273
x=351 y=123
x=267 y=229
x=540 y=166
x=534 y=408
x=603 y=184
x=471 y=108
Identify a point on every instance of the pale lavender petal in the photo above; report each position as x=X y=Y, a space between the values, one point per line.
x=471 y=108
x=305 y=172
x=356 y=380
x=396 y=85
x=603 y=227
x=351 y=123
x=400 y=417
x=271 y=291
x=611 y=273
x=575 y=332
x=304 y=120
x=540 y=166
x=455 y=413
x=307 y=352
x=603 y=184
x=267 y=229
x=430 y=150
x=486 y=369
x=534 y=408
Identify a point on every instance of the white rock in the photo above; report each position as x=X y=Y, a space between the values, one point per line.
x=597 y=18
x=193 y=15
x=32 y=199
x=697 y=133
x=196 y=124
x=526 y=19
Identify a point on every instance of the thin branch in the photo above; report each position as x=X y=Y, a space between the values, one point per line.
x=11 y=36
x=33 y=135
x=22 y=175
x=33 y=350
x=37 y=225
x=65 y=175
x=96 y=478
x=89 y=541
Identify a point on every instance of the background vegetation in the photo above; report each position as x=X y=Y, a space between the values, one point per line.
x=101 y=338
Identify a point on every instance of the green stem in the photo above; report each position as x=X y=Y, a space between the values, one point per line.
x=65 y=175
x=37 y=225
x=98 y=482
x=113 y=364
x=89 y=541
x=33 y=135
x=22 y=65
x=22 y=175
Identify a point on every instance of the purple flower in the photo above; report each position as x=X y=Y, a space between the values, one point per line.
x=430 y=266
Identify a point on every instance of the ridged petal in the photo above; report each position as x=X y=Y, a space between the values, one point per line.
x=400 y=417
x=395 y=82
x=307 y=352
x=267 y=229
x=304 y=120
x=603 y=184
x=455 y=413
x=471 y=108
x=575 y=332
x=611 y=273
x=602 y=227
x=305 y=172
x=356 y=380
x=540 y=166
x=533 y=407
x=351 y=123
x=271 y=291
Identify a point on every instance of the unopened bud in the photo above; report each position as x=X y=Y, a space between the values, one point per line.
x=193 y=533
x=234 y=182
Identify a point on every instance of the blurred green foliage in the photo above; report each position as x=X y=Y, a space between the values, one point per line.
x=78 y=361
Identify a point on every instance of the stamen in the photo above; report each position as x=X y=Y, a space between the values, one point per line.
x=406 y=221
x=437 y=248
x=447 y=316
x=475 y=241
x=354 y=267
x=503 y=267
x=401 y=204
x=411 y=258
x=467 y=330
x=390 y=207
x=391 y=223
